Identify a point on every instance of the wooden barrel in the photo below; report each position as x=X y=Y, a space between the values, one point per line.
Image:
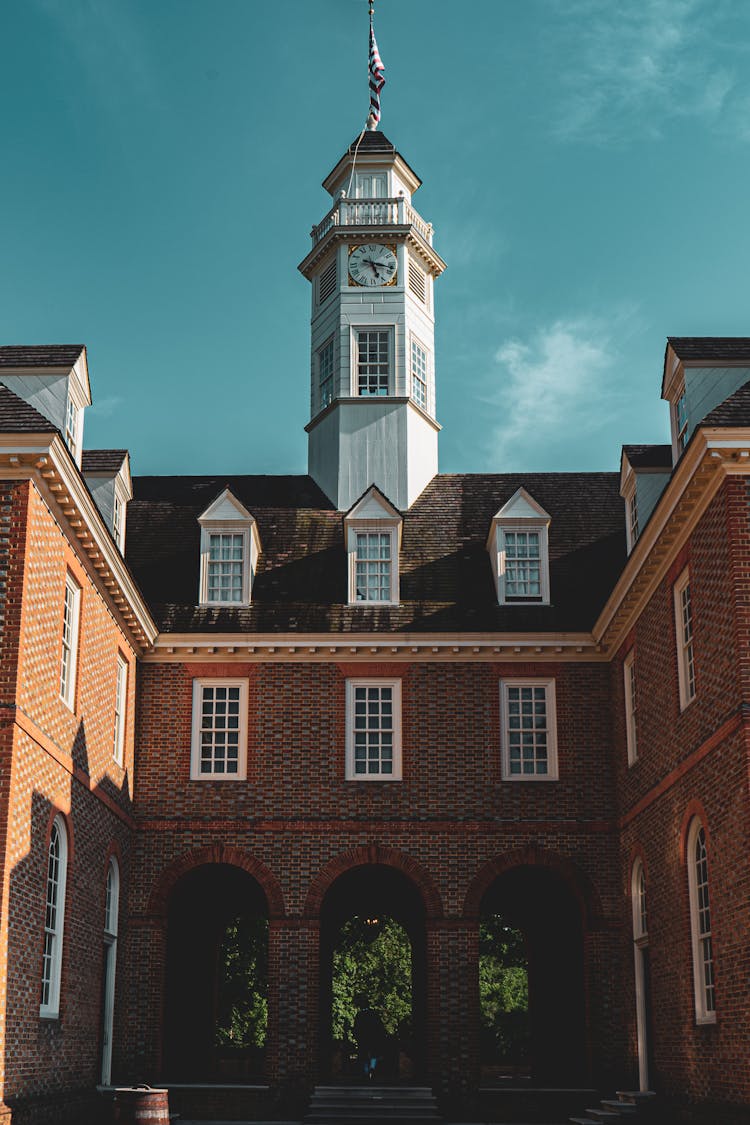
x=141 y=1105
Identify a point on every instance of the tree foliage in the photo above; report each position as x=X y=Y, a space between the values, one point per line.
x=503 y=991
x=378 y=968
x=242 y=1005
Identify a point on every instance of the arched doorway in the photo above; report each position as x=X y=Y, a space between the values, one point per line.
x=373 y=980
x=216 y=983
x=532 y=1007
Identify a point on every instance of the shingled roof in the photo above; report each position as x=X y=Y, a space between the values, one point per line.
x=17 y=417
x=731 y=349
x=102 y=460
x=649 y=456
x=734 y=411
x=46 y=355
x=446 y=577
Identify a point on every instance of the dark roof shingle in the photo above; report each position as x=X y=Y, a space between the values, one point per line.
x=102 y=460
x=649 y=456
x=45 y=355
x=734 y=411
x=445 y=573
x=17 y=417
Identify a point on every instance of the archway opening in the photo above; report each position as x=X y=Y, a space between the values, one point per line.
x=216 y=985
x=372 y=1000
x=532 y=1002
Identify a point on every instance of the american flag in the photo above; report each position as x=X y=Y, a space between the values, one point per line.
x=377 y=78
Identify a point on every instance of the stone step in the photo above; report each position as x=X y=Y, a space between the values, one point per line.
x=625 y=1109
x=606 y=1116
x=636 y=1097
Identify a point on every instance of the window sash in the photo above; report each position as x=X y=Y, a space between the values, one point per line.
x=373 y=730
x=633 y=520
x=71 y=426
x=630 y=708
x=225 y=567
x=419 y=374
x=121 y=698
x=700 y=922
x=523 y=565
x=373 y=566
x=373 y=362
x=529 y=737
x=681 y=420
x=684 y=636
x=69 y=646
x=219 y=745
x=118 y=526
x=54 y=918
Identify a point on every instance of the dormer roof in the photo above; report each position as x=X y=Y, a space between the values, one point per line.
x=225 y=509
x=702 y=351
x=373 y=504
x=522 y=506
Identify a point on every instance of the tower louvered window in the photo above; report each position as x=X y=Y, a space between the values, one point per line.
x=417 y=281
x=327 y=282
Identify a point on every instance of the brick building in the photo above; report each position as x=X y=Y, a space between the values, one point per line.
x=375 y=690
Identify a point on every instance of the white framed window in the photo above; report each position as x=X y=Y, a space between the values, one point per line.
x=373 y=348
x=72 y=427
x=371 y=185
x=219 y=743
x=54 y=919
x=70 y=635
x=373 y=730
x=640 y=953
x=419 y=373
x=230 y=547
x=628 y=672
x=683 y=612
x=111 y=920
x=518 y=544
x=325 y=374
x=633 y=527
x=373 y=536
x=528 y=727
x=681 y=420
x=638 y=901
x=121 y=704
x=700 y=924
x=118 y=520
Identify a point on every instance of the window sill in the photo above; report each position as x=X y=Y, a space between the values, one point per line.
x=705 y=1021
x=530 y=778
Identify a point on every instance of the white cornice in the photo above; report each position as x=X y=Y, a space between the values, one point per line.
x=45 y=459
x=373 y=647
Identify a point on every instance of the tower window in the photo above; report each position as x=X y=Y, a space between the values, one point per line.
x=327 y=282
x=373 y=361
x=419 y=374
x=325 y=373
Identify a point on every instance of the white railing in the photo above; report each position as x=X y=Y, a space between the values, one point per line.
x=372 y=213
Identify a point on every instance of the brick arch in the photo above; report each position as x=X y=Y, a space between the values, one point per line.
x=216 y=853
x=694 y=811
x=577 y=881
x=365 y=856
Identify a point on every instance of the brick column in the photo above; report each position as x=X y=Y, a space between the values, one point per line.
x=453 y=1011
x=138 y=1046
x=293 y=978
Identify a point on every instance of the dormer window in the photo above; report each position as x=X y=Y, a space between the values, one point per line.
x=518 y=546
x=72 y=427
x=681 y=420
x=229 y=552
x=373 y=533
x=633 y=529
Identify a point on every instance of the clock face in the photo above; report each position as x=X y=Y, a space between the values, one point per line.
x=373 y=264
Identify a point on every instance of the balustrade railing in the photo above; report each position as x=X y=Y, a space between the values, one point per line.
x=372 y=213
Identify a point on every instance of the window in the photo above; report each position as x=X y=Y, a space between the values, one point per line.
x=419 y=374
x=640 y=952
x=118 y=521
x=121 y=703
x=69 y=657
x=684 y=632
x=373 y=730
x=327 y=282
x=219 y=749
x=371 y=185
x=518 y=545
x=71 y=426
x=628 y=670
x=528 y=730
x=373 y=532
x=230 y=547
x=325 y=373
x=638 y=894
x=681 y=420
x=111 y=913
x=633 y=529
x=373 y=348
x=700 y=924
x=54 y=919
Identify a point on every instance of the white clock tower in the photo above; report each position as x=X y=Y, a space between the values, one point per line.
x=372 y=268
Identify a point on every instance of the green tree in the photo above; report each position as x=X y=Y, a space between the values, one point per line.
x=377 y=967
x=242 y=1015
x=503 y=992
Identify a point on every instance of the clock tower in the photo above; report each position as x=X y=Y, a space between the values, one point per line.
x=372 y=268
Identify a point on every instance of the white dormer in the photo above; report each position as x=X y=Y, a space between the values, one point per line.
x=107 y=473
x=699 y=374
x=230 y=546
x=54 y=379
x=373 y=541
x=644 y=473
x=518 y=545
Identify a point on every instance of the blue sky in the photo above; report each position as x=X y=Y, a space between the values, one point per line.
x=585 y=163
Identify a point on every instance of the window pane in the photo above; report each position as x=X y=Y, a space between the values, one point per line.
x=526 y=729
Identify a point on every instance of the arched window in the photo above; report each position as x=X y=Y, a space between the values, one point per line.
x=700 y=924
x=642 y=971
x=111 y=911
x=638 y=894
x=54 y=919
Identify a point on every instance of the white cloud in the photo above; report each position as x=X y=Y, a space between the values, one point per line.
x=551 y=393
x=107 y=406
x=636 y=66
